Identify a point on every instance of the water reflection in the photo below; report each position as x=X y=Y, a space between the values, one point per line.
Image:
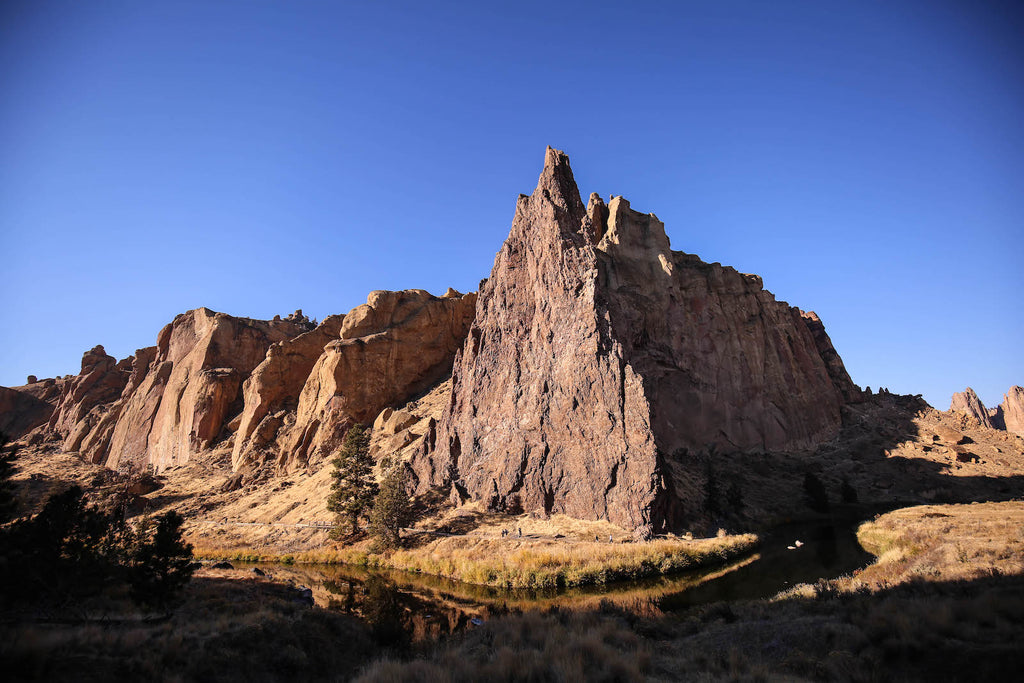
x=402 y=607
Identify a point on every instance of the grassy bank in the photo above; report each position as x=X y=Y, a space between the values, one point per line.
x=942 y=601
x=526 y=563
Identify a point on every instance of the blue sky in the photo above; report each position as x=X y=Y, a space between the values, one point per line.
x=865 y=158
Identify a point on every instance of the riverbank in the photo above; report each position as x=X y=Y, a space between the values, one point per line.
x=523 y=562
x=942 y=601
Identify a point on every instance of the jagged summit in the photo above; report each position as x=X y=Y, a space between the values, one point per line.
x=1008 y=415
x=598 y=358
x=593 y=368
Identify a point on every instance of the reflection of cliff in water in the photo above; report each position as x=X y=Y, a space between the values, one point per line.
x=402 y=606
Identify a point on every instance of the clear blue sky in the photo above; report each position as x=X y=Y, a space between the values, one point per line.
x=865 y=158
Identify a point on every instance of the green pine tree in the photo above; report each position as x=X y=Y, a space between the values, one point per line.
x=392 y=508
x=354 y=488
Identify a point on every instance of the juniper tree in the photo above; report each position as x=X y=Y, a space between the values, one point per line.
x=391 y=508
x=161 y=562
x=354 y=488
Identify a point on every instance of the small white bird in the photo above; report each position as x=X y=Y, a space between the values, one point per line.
x=790 y=547
x=798 y=543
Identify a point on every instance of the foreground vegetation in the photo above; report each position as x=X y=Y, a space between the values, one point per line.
x=943 y=601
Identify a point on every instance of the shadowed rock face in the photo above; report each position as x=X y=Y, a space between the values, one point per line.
x=597 y=352
x=21 y=412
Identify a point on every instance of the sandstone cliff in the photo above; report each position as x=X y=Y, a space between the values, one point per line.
x=274 y=387
x=1012 y=409
x=1008 y=415
x=393 y=347
x=191 y=385
x=598 y=358
x=968 y=402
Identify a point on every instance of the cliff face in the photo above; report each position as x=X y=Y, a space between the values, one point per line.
x=968 y=402
x=188 y=389
x=393 y=347
x=274 y=386
x=1008 y=415
x=599 y=357
x=287 y=391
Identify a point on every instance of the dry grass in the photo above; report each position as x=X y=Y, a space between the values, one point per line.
x=511 y=563
x=944 y=543
x=943 y=601
x=226 y=629
x=519 y=563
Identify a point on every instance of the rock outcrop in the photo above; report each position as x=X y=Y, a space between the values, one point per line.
x=1008 y=415
x=1012 y=410
x=21 y=412
x=968 y=402
x=184 y=395
x=395 y=346
x=274 y=386
x=101 y=381
x=599 y=358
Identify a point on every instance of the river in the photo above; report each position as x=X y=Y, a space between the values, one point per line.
x=401 y=606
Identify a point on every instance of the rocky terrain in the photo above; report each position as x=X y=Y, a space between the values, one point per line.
x=597 y=375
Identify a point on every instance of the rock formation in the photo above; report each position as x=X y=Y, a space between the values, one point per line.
x=968 y=402
x=181 y=402
x=274 y=386
x=1012 y=410
x=21 y=412
x=1008 y=415
x=393 y=347
x=599 y=358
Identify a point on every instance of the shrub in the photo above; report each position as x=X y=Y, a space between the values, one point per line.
x=8 y=503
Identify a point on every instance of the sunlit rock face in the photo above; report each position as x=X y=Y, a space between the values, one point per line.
x=599 y=357
x=1008 y=415
x=395 y=346
x=182 y=398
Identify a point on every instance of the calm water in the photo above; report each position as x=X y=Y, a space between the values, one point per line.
x=402 y=606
